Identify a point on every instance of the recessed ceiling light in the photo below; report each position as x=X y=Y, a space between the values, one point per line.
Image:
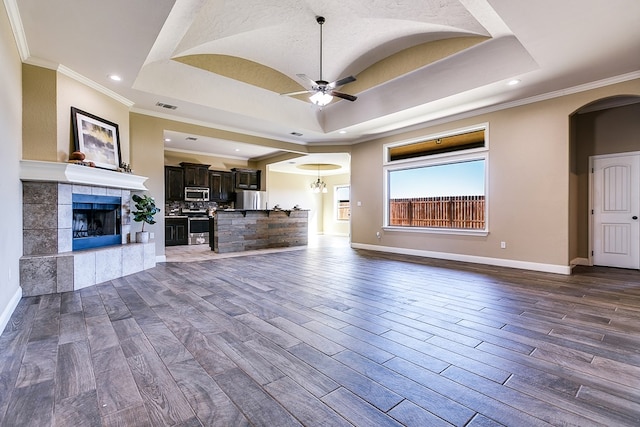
x=237 y=149
x=343 y=131
x=513 y=82
x=115 y=77
x=167 y=140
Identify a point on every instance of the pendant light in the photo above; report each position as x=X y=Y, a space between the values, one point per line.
x=318 y=186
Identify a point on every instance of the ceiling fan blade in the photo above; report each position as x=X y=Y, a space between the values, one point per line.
x=341 y=82
x=307 y=79
x=300 y=92
x=343 y=95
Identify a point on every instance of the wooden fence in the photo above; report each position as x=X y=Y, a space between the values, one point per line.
x=465 y=212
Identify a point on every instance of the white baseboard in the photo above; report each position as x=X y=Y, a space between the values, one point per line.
x=161 y=258
x=500 y=262
x=9 y=309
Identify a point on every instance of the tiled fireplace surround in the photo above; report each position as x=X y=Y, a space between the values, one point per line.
x=49 y=264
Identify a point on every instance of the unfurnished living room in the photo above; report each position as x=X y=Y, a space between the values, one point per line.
x=294 y=212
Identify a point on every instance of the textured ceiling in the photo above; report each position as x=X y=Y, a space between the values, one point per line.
x=224 y=64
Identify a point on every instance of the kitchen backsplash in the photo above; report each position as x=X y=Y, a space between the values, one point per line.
x=174 y=208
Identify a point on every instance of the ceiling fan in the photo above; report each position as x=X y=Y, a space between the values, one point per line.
x=322 y=91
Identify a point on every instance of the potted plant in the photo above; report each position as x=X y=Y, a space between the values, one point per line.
x=145 y=210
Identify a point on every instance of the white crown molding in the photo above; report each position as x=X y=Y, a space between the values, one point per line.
x=18 y=30
x=512 y=104
x=16 y=27
x=38 y=62
x=571 y=90
x=212 y=125
x=23 y=49
x=88 y=82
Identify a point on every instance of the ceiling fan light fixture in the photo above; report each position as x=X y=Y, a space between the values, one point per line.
x=321 y=98
x=323 y=91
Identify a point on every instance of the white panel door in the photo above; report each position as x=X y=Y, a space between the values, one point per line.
x=616 y=208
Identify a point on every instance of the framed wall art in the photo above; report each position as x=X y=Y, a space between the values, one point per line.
x=97 y=138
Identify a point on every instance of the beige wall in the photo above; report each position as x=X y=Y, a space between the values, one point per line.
x=528 y=184
x=10 y=153
x=72 y=93
x=288 y=190
x=40 y=128
x=48 y=98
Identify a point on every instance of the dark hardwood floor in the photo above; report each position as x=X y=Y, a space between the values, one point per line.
x=328 y=336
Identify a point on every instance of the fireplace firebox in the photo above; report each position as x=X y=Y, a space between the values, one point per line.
x=96 y=221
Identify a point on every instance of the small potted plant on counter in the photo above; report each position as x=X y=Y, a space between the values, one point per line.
x=145 y=210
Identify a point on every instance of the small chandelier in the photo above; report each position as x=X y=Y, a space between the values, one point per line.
x=318 y=186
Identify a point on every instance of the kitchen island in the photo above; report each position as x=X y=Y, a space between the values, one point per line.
x=245 y=230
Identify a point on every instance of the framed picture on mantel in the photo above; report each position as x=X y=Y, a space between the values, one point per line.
x=97 y=138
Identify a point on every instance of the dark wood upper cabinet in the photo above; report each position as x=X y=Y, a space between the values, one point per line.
x=221 y=186
x=195 y=174
x=247 y=179
x=173 y=183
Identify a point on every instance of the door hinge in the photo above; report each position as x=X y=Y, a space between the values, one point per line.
x=591 y=253
x=591 y=170
x=591 y=211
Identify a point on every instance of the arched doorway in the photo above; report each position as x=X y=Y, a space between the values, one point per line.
x=604 y=128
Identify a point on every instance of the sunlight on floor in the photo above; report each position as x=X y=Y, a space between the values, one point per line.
x=190 y=253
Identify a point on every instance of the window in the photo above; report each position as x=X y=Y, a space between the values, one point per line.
x=343 y=204
x=438 y=188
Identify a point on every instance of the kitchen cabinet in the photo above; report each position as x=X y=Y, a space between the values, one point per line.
x=221 y=186
x=195 y=174
x=173 y=183
x=246 y=179
x=176 y=231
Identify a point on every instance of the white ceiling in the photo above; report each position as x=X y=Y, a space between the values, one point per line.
x=549 y=45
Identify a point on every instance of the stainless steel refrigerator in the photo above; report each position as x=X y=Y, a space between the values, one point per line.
x=251 y=200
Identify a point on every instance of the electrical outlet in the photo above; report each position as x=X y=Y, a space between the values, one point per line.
x=378 y=234
x=359 y=203
x=152 y=235
x=503 y=245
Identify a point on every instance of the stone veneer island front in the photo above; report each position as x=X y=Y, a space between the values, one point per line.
x=245 y=230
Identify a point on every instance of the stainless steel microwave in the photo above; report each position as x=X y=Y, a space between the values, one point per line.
x=196 y=194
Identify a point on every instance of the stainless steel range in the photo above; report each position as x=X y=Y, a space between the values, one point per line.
x=198 y=226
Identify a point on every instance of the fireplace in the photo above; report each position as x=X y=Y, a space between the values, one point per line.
x=76 y=224
x=96 y=221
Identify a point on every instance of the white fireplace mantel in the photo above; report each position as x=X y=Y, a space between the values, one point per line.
x=35 y=170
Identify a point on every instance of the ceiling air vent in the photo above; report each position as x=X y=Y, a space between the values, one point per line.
x=296 y=134
x=168 y=106
x=191 y=138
